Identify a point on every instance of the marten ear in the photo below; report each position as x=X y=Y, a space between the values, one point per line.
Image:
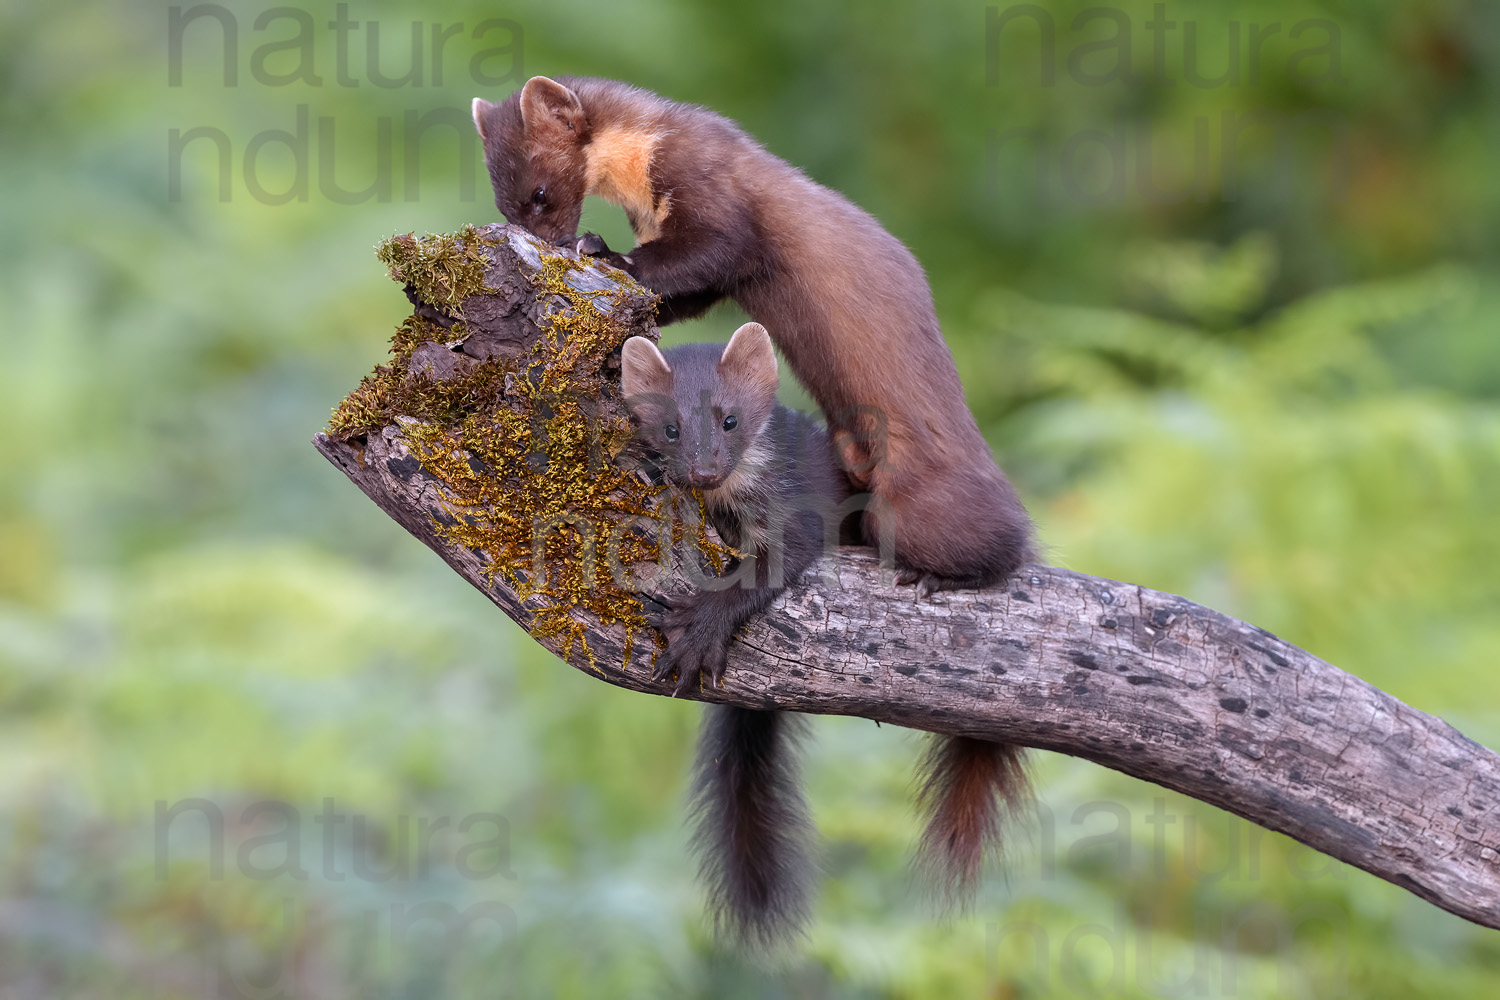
x=749 y=360
x=482 y=109
x=549 y=106
x=644 y=372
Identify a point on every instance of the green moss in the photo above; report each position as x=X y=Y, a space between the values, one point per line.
x=526 y=455
x=443 y=269
x=387 y=391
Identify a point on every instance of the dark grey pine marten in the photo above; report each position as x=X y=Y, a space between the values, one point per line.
x=717 y=216
x=774 y=491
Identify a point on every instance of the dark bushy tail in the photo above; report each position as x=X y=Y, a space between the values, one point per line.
x=753 y=830
x=968 y=789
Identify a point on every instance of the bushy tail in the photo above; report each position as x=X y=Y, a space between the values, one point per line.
x=969 y=787
x=752 y=827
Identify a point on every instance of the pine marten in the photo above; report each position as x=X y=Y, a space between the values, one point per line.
x=773 y=489
x=716 y=216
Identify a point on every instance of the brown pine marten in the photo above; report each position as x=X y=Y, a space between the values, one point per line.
x=716 y=216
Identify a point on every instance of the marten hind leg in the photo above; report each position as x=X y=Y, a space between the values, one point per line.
x=953 y=529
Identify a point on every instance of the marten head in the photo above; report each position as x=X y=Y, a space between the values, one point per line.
x=534 y=144
x=699 y=409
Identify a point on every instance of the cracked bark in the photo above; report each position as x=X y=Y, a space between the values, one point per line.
x=1144 y=682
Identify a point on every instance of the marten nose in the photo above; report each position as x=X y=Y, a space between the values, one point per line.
x=703 y=477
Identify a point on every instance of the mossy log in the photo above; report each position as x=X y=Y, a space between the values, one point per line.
x=1147 y=683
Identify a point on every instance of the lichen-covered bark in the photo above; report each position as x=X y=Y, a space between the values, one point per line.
x=1144 y=682
x=505 y=383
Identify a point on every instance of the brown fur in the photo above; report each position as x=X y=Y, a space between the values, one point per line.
x=967 y=786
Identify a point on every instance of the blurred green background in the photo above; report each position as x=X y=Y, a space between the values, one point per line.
x=1228 y=312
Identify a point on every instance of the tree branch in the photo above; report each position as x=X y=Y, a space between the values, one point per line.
x=1147 y=683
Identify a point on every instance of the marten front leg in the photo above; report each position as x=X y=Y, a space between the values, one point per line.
x=692 y=264
x=672 y=308
x=699 y=629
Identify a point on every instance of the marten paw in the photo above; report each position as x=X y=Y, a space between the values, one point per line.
x=927 y=584
x=930 y=583
x=692 y=649
x=690 y=661
x=592 y=244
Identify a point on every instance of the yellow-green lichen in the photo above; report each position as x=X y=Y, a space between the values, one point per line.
x=527 y=455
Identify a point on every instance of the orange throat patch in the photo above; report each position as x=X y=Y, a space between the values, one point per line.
x=619 y=171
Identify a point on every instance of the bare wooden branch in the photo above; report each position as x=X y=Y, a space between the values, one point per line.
x=1147 y=683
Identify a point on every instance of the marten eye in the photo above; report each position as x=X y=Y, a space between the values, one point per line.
x=671 y=432
x=539 y=197
x=730 y=423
